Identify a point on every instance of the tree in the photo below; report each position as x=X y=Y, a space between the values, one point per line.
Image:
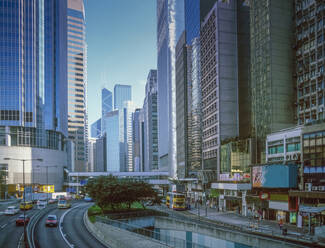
x=109 y=191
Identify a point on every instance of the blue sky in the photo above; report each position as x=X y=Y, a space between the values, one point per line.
x=121 y=39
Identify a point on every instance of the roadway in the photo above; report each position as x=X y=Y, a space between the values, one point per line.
x=10 y=234
x=73 y=229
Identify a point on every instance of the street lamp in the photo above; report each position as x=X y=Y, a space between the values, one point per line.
x=47 y=179
x=23 y=160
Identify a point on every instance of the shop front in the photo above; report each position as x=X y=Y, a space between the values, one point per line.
x=232 y=196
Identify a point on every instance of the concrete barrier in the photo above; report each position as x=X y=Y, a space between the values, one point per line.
x=118 y=238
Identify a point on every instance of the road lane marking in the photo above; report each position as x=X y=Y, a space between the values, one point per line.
x=61 y=226
x=4 y=226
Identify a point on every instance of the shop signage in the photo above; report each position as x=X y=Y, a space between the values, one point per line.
x=247 y=175
x=264 y=196
x=293 y=157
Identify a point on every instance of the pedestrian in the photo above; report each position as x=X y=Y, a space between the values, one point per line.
x=281 y=223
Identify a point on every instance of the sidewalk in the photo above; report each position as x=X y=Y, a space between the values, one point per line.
x=236 y=219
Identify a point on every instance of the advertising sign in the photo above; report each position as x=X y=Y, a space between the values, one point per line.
x=257 y=176
x=293 y=217
x=275 y=176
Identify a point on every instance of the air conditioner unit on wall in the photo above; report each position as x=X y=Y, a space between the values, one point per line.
x=308 y=186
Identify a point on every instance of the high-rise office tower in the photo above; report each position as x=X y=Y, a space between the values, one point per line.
x=194 y=67
x=150 y=123
x=91 y=154
x=183 y=96
x=136 y=125
x=128 y=109
x=142 y=140
x=33 y=90
x=100 y=155
x=122 y=93
x=107 y=101
x=96 y=128
x=272 y=87
x=224 y=69
x=113 y=144
x=77 y=84
x=309 y=61
x=170 y=25
x=195 y=11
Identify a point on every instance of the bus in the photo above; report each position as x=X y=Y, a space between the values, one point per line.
x=64 y=203
x=175 y=201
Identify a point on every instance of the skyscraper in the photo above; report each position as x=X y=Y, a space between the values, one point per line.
x=170 y=25
x=91 y=154
x=224 y=70
x=310 y=58
x=183 y=54
x=113 y=144
x=136 y=125
x=107 y=101
x=128 y=110
x=195 y=11
x=96 y=128
x=77 y=83
x=271 y=35
x=33 y=89
x=150 y=124
x=122 y=93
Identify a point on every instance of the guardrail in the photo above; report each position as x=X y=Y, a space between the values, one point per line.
x=32 y=223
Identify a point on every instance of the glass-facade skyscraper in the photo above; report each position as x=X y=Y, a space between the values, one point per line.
x=150 y=124
x=122 y=93
x=107 y=101
x=170 y=25
x=225 y=78
x=33 y=86
x=272 y=92
x=111 y=122
x=96 y=128
x=77 y=82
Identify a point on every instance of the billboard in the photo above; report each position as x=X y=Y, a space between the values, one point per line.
x=275 y=176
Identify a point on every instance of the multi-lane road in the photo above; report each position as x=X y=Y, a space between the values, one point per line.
x=71 y=233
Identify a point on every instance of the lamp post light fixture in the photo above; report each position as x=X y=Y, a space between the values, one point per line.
x=24 y=160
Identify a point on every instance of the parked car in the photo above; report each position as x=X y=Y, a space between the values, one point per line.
x=51 y=220
x=11 y=210
x=21 y=220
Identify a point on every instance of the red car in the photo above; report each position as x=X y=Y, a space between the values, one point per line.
x=20 y=220
x=51 y=220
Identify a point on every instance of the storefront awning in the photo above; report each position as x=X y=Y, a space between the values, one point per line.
x=307 y=194
x=308 y=209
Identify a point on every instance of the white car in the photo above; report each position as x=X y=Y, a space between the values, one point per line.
x=11 y=210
